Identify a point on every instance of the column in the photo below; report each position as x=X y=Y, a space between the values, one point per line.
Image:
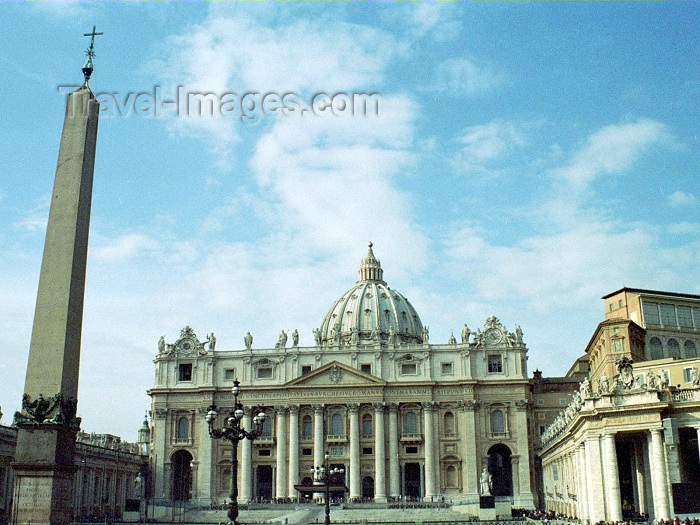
x=525 y=499
x=379 y=454
x=319 y=442
x=582 y=496
x=281 y=453
x=293 y=451
x=596 y=499
x=245 y=493
x=612 y=479
x=697 y=431
x=429 y=451
x=355 y=481
x=394 y=472
x=659 y=483
x=469 y=454
x=205 y=462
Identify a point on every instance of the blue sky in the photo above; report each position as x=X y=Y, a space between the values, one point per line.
x=529 y=158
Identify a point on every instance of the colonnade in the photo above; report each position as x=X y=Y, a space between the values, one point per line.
x=591 y=470
x=386 y=440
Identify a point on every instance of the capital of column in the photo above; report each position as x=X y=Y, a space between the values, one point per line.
x=392 y=407
x=318 y=409
x=294 y=409
x=469 y=405
x=282 y=409
x=430 y=405
x=353 y=408
x=379 y=407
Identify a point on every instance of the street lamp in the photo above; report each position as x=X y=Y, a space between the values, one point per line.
x=233 y=431
x=322 y=474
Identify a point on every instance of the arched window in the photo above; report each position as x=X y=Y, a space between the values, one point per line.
x=690 y=349
x=674 y=348
x=656 y=350
x=449 y=423
x=183 y=429
x=497 y=422
x=451 y=477
x=266 y=427
x=367 y=425
x=336 y=425
x=410 y=423
x=306 y=427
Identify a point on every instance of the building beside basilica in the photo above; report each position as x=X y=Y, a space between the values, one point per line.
x=403 y=417
x=627 y=442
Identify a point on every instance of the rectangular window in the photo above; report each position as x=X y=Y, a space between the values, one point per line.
x=687 y=375
x=367 y=451
x=555 y=472
x=411 y=450
x=611 y=307
x=542 y=429
x=184 y=372
x=305 y=369
x=668 y=315
x=685 y=317
x=366 y=368
x=265 y=372
x=230 y=374
x=446 y=369
x=619 y=303
x=409 y=369
x=651 y=313
x=696 y=316
x=264 y=453
x=306 y=451
x=495 y=364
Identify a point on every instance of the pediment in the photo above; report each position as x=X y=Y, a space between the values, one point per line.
x=336 y=374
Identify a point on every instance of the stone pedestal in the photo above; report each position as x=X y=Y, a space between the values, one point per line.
x=487 y=508
x=44 y=471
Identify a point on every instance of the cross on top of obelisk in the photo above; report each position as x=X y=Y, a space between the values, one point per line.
x=90 y=52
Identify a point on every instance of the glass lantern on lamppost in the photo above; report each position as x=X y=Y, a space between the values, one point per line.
x=322 y=474
x=233 y=431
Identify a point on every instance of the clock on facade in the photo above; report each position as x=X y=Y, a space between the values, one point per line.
x=493 y=336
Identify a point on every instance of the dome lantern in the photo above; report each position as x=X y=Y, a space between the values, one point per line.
x=370 y=267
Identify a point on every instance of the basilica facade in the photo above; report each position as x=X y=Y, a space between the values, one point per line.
x=404 y=418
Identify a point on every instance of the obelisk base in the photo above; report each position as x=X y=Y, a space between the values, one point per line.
x=44 y=471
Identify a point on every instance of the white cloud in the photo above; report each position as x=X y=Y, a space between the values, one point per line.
x=465 y=77
x=245 y=54
x=613 y=149
x=681 y=198
x=36 y=217
x=484 y=143
x=684 y=228
x=123 y=247
x=437 y=20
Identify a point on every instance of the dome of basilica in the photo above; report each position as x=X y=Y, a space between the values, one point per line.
x=370 y=312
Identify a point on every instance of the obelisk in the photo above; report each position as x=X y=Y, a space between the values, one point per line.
x=47 y=425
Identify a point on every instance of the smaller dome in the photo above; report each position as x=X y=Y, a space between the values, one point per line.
x=370 y=311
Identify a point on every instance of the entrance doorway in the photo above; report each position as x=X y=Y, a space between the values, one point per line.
x=368 y=487
x=501 y=470
x=411 y=480
x=182 y=475
x=264 y=482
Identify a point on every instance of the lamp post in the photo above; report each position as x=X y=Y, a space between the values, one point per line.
x=322 y=474
x=233 y=431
